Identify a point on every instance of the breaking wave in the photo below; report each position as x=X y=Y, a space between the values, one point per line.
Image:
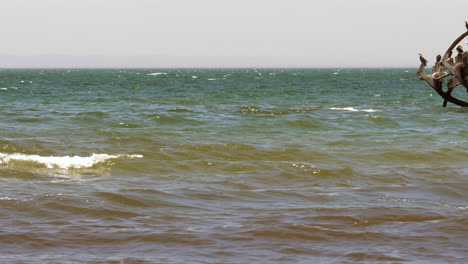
x=352 y=109
x=156 y=73
x=62 y=162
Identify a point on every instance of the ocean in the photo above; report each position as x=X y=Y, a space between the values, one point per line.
x=230 y=166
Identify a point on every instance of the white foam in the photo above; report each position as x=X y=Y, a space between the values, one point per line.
x=8 y=88
x=156 y=73
x=63 y=162
x=369 y=110
x=352 y=109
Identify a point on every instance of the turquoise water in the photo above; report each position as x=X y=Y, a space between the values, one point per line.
x=230 y=166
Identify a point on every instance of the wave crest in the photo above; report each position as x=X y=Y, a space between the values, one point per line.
x=352 y=109
x=63 y=162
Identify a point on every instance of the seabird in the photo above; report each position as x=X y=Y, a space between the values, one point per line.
x=460 y=49
x=422 y=59
x=466 y=24
x=438 y=58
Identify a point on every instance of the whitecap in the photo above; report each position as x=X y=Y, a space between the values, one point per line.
x=8 y=88
x=63 y=162
x=352 y=109
x=156 y=73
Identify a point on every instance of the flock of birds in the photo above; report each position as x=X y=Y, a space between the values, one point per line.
x=446 y=66
x=459 y=49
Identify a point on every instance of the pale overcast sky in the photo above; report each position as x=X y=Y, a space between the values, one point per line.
x=289 y=33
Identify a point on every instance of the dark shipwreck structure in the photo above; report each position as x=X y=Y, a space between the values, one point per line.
x=453 y=69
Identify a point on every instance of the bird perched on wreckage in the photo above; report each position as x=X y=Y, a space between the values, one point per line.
x=422 y=59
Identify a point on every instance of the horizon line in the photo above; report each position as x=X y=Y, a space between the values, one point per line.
x=210 y=68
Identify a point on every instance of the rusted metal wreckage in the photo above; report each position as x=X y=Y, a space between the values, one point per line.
x=447 y=67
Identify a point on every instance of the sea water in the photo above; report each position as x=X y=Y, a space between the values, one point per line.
x=230 y=166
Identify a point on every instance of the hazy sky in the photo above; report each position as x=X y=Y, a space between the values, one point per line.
x=302 y=33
